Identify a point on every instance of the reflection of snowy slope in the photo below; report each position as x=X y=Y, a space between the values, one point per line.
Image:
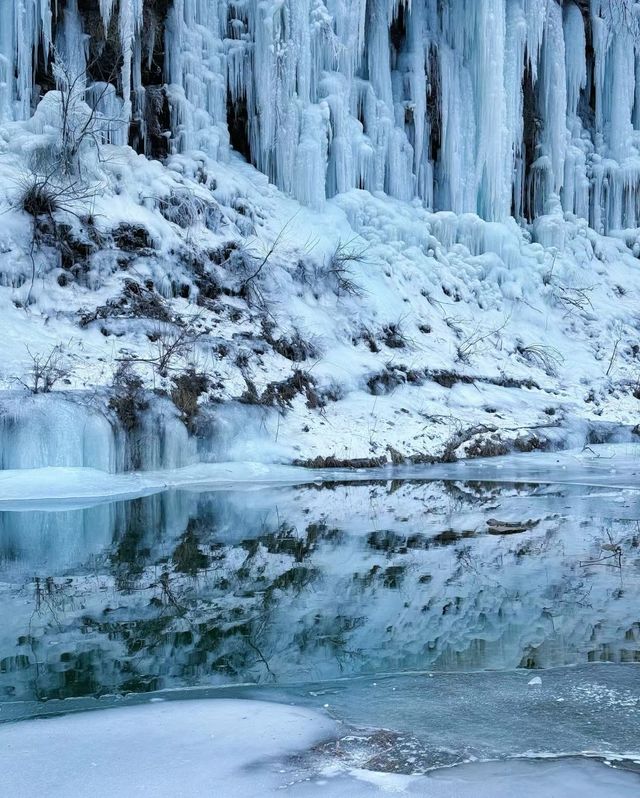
x=309 y=583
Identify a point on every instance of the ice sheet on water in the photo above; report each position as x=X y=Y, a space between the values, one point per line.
x=80 y=487
x=244 y=749
x=616 y=465
x=613 y=465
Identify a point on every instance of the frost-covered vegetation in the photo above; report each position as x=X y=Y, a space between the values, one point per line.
x=320 y=231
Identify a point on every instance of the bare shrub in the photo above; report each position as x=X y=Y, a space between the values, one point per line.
x=82 y=123
x=45 y=371
x=257 y=270
x=128 y=400
x=572 y=299
x=548 y=358
x=173 y=344
x=185 y=393
x=479 y=340
x=38 y=198
x=339 y=268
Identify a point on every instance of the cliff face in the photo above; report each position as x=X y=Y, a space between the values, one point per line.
x=499 y=107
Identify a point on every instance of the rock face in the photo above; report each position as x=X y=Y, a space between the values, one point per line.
x=504 y=107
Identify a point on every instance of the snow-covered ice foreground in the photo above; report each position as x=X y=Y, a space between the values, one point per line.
x=247 y=749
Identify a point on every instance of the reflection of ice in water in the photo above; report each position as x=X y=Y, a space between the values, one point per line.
x=294 y=585
x=185 y=588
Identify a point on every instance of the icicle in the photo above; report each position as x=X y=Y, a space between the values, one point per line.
x=129 y=24
x=7 y=53
x=106 y=10
x=23 y=26
x=553 y=90
x=535 y=14
x=411 y=97
x=71 y=46
x=196 y=72
x=493 y=164
x=575 y=56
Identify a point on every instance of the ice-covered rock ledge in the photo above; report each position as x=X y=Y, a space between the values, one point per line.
x=245 y=749
x=83 y=430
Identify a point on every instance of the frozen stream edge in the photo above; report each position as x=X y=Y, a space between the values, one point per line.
x=616 y=465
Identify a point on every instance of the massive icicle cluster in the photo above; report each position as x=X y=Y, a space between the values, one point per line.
x=497 y=107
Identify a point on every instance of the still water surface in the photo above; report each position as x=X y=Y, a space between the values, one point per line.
x=421 y=608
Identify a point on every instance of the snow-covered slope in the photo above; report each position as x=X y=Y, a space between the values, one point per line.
x=376 y=300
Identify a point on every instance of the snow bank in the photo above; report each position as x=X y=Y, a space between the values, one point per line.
x=243 y=749
x=189 y=748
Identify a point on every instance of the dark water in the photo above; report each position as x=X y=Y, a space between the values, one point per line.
x=391 y=603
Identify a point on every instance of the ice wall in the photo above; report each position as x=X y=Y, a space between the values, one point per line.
x=76 y=430
x=41 y=431
x=38 y=431
x=496 y=107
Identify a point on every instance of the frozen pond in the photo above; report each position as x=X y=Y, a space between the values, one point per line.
x=474 y=616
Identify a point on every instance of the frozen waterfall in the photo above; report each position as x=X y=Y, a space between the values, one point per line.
x=495 y=107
